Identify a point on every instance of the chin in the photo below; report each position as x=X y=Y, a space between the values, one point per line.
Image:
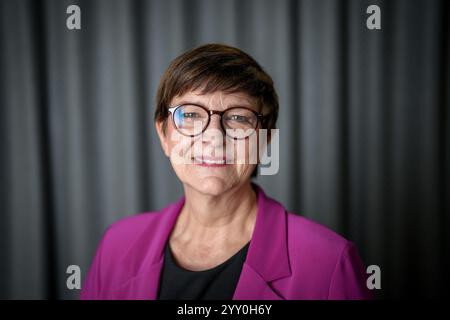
x=211 y=185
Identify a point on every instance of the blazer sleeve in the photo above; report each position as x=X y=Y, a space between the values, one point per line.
x=349 y=277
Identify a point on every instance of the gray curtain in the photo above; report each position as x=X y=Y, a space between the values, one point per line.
x=364 y=126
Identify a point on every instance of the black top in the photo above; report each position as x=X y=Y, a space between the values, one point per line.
x=218 y=283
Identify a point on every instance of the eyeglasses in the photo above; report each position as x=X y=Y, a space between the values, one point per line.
x=237 y=122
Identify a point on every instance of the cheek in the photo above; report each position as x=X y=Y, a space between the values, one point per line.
x=180 y=151
x=245 y=151
x=177 y=149
x=245 y=155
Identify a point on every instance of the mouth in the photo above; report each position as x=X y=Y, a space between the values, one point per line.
x=210 y=161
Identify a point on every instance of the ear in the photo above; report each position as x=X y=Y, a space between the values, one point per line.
x=162 y=137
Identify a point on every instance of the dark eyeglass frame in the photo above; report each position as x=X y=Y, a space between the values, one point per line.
x=173 y=109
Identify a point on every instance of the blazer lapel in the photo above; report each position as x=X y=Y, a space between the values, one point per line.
x=267 y=257
x=144 y=262
x=252 y=286
x=144 y=286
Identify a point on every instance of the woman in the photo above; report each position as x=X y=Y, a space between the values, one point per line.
x=225 y=239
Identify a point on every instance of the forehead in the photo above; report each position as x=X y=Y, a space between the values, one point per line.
x=218 y=99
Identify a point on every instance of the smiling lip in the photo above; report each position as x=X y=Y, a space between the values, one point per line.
x=210 y=161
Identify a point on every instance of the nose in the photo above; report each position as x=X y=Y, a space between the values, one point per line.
x=215 y=122
x=214 y=134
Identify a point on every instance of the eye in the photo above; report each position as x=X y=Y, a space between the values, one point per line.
x=190 y=115
x=238 y=118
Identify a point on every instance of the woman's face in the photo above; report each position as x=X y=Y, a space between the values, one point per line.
x=211 y=162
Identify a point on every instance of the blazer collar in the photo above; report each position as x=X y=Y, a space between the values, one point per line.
x=144 y=262
x=267 y=256
x=268 y=251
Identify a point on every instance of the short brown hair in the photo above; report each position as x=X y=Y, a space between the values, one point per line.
x=217 y=67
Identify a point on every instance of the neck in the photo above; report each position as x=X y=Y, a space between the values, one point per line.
x=229 y=216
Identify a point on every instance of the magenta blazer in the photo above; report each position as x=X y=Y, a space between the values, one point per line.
x=289 y=257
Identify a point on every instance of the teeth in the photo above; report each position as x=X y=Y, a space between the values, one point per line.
x=208 y=161
x=213 y=161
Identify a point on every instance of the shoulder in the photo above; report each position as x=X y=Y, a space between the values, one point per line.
x=126 y=232
x=325 y=263
x=122 y=250
x=303 y=234
x=129 y=227
x=310 y=234
x=309 y=241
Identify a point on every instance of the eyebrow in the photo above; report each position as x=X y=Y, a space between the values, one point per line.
x=234 y=105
